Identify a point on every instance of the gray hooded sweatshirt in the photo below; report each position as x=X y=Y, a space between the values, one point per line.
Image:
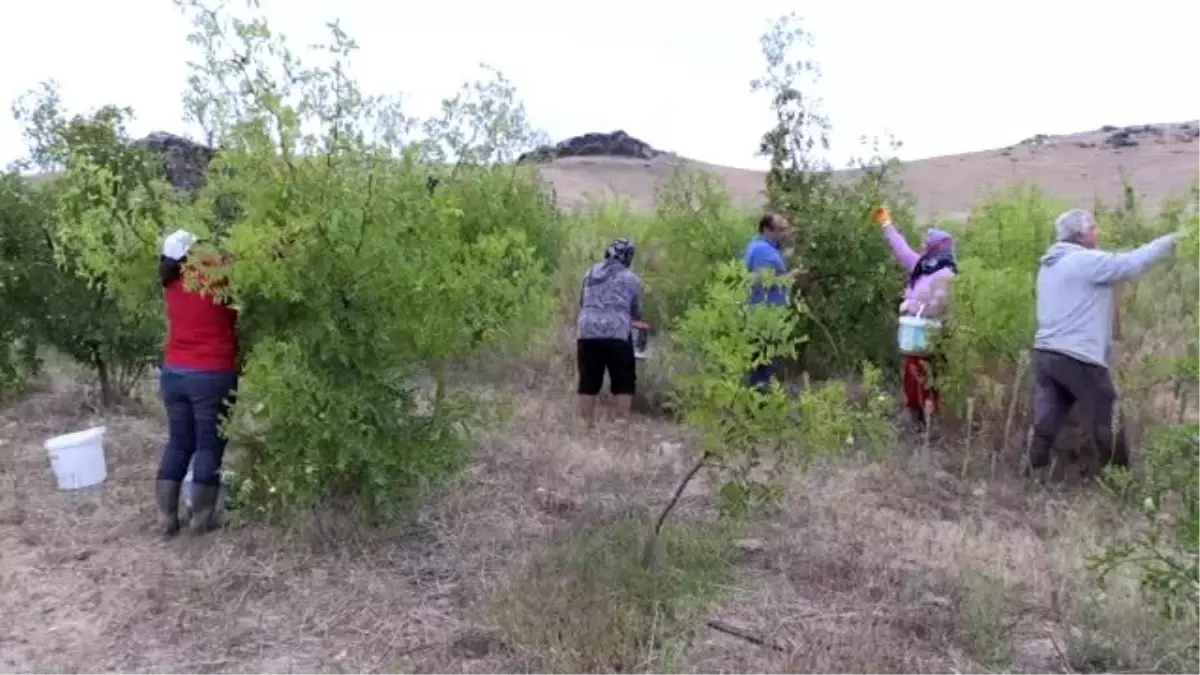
x=1074 y=296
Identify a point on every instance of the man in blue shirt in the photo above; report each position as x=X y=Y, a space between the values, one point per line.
x=764 y=253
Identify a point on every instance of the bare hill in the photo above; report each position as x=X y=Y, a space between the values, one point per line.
x=577 y=180
x=1160 y=160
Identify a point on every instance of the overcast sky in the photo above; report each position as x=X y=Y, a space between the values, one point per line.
x=944 y=77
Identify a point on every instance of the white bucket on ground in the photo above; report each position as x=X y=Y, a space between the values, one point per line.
x=78 y=458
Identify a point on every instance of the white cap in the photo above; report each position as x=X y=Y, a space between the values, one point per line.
x=176 y=245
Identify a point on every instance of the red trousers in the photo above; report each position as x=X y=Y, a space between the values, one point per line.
x=917 y=376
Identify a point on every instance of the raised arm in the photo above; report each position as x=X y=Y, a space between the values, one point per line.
x=901 y=251
x=1105 y=268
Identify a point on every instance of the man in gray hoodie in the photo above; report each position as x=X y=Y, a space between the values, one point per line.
x=1072 y=349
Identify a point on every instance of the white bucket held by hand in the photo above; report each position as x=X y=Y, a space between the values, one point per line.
x=915 y=335
x=78 y=458
x=641 y=343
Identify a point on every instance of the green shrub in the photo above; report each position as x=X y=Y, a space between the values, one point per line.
x=750 y=436
x=358 y=289
x=853 y=282
x=695 y=230
x=1166 y=491
x=22 y=239
x=989 y=330
x=1010 y=229
x=106 y=191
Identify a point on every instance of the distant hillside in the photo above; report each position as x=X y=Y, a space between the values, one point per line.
x=1160 y=160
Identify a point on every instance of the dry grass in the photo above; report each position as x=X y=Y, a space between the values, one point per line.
x=895 y=567
x=86 y=585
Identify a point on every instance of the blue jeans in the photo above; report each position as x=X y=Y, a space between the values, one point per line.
x=196 y=402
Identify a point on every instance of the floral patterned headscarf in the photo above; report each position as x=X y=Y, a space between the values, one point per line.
x=620 y=250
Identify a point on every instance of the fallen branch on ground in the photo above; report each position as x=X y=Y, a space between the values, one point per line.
x=722 y=627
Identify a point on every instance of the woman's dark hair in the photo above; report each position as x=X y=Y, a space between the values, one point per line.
x=170 y=270
x=767 y=222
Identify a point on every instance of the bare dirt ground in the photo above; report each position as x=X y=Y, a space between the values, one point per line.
x=1077 y=168
x=890 y=567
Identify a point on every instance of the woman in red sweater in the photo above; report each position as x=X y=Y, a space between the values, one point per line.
x=199 y=378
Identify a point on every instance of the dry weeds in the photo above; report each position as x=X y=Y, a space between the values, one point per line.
x=895 y=567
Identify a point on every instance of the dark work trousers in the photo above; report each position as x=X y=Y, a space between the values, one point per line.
x=196 y=402
x=762 y=375
x=1059 y=382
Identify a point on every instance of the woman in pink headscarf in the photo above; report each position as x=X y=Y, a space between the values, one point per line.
x=925 y=293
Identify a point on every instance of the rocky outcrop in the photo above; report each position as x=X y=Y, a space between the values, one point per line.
x=1129 y=137
x=615 y=144
x=185 y=162
x=1116 y=138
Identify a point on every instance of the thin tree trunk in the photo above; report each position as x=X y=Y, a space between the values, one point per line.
x=1014 y=396
x=108 y=395
x=651 y=549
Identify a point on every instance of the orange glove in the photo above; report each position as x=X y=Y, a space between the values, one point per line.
x=881 y=216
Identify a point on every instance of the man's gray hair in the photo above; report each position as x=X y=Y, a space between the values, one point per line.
x=1072 y=225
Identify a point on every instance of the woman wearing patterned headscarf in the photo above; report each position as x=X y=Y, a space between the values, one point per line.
x=610 y=305
x=929 y=275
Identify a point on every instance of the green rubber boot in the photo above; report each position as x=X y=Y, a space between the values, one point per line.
x=166 y=503
x=204 y=508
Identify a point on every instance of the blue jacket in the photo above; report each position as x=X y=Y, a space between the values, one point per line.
x=762 y=254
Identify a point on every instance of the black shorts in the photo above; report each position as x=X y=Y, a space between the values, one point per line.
x=595 y=356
